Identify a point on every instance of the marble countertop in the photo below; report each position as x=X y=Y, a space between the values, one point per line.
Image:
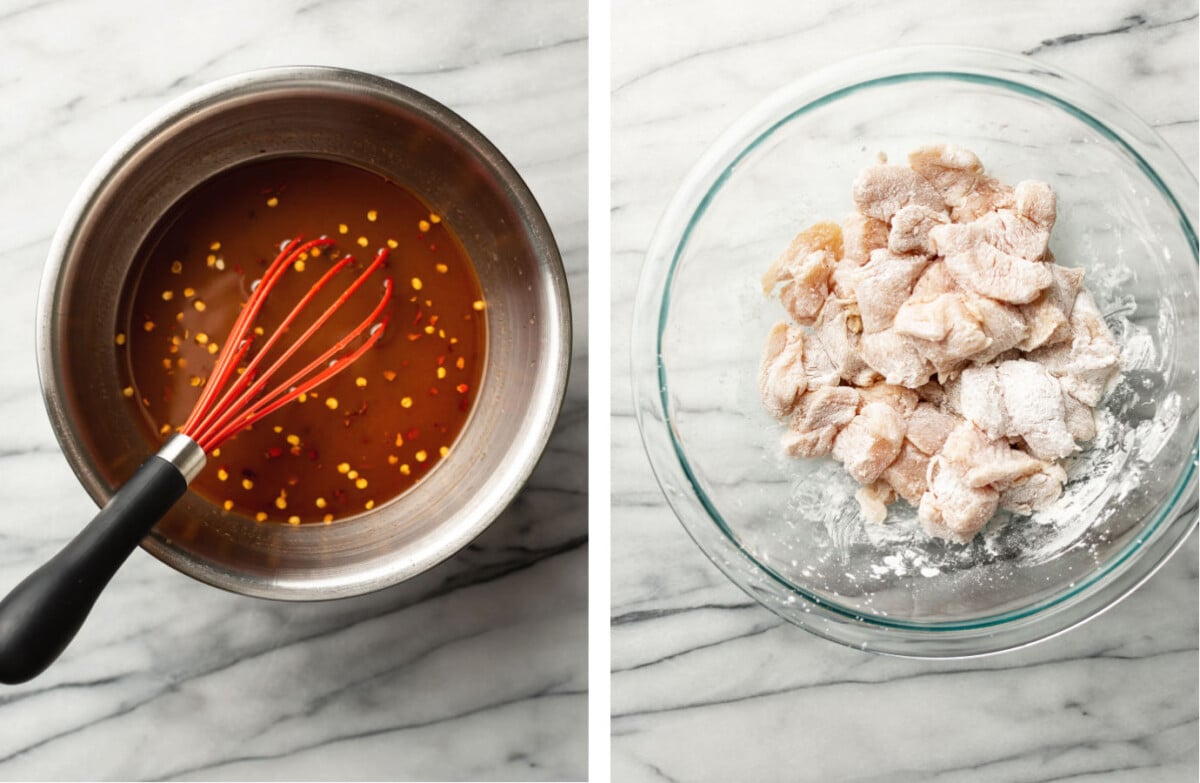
x=475 y=670
x=707 y=685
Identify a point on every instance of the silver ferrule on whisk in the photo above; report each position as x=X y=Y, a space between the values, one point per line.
x=185 y=454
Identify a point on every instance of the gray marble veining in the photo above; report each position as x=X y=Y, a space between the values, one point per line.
x=475 y=670
x=706 y=684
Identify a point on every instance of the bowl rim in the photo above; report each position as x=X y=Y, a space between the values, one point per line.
x=980 y=636
x=342 y=81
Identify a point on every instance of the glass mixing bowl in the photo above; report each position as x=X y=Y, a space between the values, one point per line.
x=788 y=531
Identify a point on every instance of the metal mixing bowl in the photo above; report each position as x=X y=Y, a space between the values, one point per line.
x=376 y=125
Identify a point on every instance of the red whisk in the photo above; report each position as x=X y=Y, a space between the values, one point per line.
x=43 y=613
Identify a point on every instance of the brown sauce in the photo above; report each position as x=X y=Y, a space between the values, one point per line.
x=365 y=436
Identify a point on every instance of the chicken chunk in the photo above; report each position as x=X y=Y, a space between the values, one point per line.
x=882 y=191
x=1086 y=363
x=882 y=285
x=896 y=358
x=903 y=401
x=977 y=396
x=979 y=266
x=1013 y=233
x=819 y=369
x=953 y=171
x=1034 y=492
x=1081 y=420
x=1048 y=318
x=781 y=377
x=1033 y=401
x=802 y=272
x=951 y=508
x=958 y=176
x=986 y=461
x=819 y=416
x=946 y=333
x=835 y=329
x=869 y=443
x=989 y=195
x=860 y=236
x=1035 y=202
x=910 y=229
x=906 y=474
x=929 y=426
x=873 y=501
x=1002 y=324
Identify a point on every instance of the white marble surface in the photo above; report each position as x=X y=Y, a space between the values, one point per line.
x=706 y=684
x=476 y=670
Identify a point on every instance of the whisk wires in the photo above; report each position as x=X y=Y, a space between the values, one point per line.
x=231 y=400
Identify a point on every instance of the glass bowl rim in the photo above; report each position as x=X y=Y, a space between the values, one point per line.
x=899 y=65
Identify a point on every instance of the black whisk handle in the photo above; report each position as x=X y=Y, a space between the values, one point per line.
x=43 y=613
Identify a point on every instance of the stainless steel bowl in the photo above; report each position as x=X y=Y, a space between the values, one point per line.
x=377 y=125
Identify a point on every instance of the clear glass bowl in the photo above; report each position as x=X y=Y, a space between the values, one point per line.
x=788 y=531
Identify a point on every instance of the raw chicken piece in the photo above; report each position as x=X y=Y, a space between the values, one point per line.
x=1086 y=363
x=841 y=284
x=953 y=171
x=929 y=426
x=882 y=285
x=818 y=417
x=979 y=266
x=1081 y=420
x=873 y=501
x=803 y=271
x=896 y=358
x=860 y=236
x=1033 y=401
x=977 y=396
x=807 y=286
x=835 y=330
x=818 y=367
x=1035 y=491
x=901 y=400
x=1003 y=324
x=906 y=474
x=910 y=229
x=957 y=175
x=988 y=196
x=947 y=333
x=1035 y=202
x=1025 y=234
x=870 y=442
x=882 y=191
x=1048 y=318
x=951 y=508
x=985 y=461
x=781 y=379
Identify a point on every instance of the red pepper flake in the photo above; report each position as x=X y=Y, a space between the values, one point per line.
x=274 y=452
x=313 y=455
x=433 y=392
x=420 y=315
x=461 y=388
x=441 y=360
x=412 y=338
x=412 y=434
